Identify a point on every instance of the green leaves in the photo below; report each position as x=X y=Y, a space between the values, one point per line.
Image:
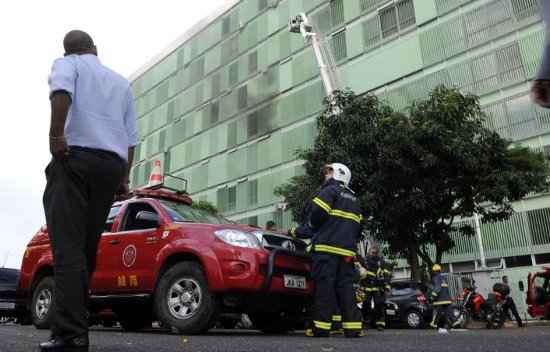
x=415 y=174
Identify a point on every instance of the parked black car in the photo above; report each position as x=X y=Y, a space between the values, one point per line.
x=407 y=305
x=11 y=305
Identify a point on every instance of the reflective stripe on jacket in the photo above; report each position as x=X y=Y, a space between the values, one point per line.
x=440 y=290
x=336 y=220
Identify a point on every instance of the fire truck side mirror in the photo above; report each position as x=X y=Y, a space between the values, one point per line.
x=521 y=286
x=150 y=219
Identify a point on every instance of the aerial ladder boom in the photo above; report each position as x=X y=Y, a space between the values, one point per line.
x=301 y=24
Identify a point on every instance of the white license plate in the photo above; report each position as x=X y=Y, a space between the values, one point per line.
x=4 y=305
x=390 y=312
x=292 y=281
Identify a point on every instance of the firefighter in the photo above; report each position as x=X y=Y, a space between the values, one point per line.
x=305 y=232
x=441 y=300
x=335 y=220
x=375 y=284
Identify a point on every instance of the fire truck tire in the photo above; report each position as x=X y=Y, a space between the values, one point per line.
x=41 y=303
x=273 y=323
x=182 y=300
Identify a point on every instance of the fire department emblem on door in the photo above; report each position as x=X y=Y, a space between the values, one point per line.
x=129 y=256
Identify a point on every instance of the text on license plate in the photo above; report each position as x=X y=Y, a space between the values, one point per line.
x=292 y=281
x=390 y=312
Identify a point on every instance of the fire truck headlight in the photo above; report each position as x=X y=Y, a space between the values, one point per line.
x=238 y=238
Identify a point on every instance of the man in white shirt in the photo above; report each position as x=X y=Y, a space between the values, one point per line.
x=92 y=138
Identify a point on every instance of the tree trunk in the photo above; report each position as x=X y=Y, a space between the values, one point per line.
x=438 y=254
x=416 y=273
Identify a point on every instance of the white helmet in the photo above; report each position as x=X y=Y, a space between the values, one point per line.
x=341 y=173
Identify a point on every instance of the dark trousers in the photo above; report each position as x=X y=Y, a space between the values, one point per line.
x=510 y=305
x=374 y=307
x=334 y=277
x=441 y=316
x=79 y=192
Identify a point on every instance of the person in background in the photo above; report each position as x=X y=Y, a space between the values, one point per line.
x=270 y=226
x=540 y=89
x=441 y=300
x=92 y=138
x=375 y=283
x=510 y=305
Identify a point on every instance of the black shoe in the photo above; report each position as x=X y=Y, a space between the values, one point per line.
x=77 y=344
x=353 y=334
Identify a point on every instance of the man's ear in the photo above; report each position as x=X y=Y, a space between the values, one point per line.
x=94 y=50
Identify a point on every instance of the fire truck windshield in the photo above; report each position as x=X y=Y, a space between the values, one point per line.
x=185 y=213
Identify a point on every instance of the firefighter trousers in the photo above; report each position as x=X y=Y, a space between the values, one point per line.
x=79 y=192
x=374 y=308
x=334 y=277
x=441 y=316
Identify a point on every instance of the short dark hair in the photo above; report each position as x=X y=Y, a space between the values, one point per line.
x=78 y=42
x=270 y=223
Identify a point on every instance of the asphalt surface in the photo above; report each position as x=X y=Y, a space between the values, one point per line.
x=14 y=338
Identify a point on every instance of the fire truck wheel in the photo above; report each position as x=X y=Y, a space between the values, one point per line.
x=41 y=303
x=182 y=299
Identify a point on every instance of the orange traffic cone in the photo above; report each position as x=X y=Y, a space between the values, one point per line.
x=156 y=177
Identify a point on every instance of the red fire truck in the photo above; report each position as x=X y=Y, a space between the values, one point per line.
x=160 y=259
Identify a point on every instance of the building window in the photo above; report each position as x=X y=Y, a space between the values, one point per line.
x=162 y=93
x=232 y=134
x=253 y=62
x=253 y=192
x=253 y=221
x=252 y=125
x=216 y=85
x=243 y=97
x=231 y=198
x=233 y=74
x=181 y=58
x=339 y=47
x=388 y=21
x=405 y=11
x=214 y=112
x=226 y=25
x=526 y=8
x=170 y=111
x=336 y=12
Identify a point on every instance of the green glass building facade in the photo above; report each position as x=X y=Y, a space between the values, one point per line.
x=227 y=104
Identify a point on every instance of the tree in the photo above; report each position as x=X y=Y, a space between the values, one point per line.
x=417 y=173
x=206 y=206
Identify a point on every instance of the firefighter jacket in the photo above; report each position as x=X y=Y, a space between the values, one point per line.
x=377 y=275
x=335 y=219
x=440 y=290
x=302 y=231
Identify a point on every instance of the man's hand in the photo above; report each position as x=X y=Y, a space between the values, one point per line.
x=58 y=145
x=540 y=93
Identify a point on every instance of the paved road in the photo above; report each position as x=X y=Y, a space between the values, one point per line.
x=15 y=338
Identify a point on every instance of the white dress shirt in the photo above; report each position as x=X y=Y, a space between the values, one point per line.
x=102 y=114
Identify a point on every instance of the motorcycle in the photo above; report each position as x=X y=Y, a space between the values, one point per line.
x=473 y=306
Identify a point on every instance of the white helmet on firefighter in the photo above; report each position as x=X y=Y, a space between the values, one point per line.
x=341 y=173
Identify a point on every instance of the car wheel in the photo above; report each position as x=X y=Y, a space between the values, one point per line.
x=414 y=319
x=273 y=323
x=182 y=299
x=41 y=304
